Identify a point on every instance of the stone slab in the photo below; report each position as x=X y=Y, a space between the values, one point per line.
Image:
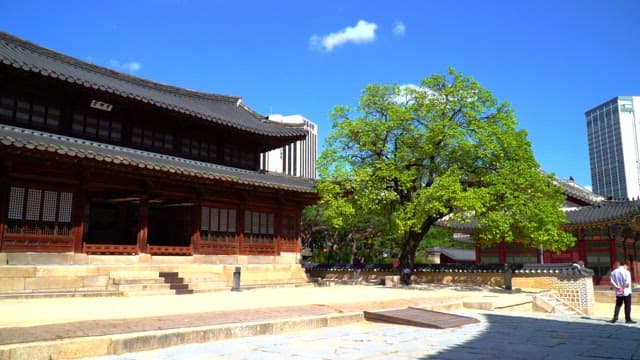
x=59 y=282
x=11 y=284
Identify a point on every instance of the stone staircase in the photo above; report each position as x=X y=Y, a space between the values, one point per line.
x=550 y=302
x=138 y=283
x=175 y=282
x=135 y=283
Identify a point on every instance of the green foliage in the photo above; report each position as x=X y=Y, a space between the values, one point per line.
x=409 y=156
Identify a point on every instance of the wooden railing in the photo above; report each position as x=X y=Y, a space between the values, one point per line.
x=170 y=250
x=110 y=249
x=24 y=243
x=218 y=248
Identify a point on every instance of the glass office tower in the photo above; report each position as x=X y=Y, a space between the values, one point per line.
x=614 y=152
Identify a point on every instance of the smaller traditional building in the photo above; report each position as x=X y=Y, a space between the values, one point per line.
x=606 y=231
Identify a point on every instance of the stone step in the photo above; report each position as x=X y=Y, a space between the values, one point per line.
x=200 y=277
x=179 y=286
x=150 y=293
x=168 y=274
x=134 y=281
x=174 y=280
x=209 y=286
x=184 y=291
x=59 y=294
x=150 y=287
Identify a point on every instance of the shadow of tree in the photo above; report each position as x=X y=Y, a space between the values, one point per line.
x=543 y=336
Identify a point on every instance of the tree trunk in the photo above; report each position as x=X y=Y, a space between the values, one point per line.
x=408 y=250
x=411 y=242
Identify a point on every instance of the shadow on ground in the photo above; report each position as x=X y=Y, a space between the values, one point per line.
x=531 y=337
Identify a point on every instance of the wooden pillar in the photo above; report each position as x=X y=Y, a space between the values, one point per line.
x=613 y=250
x=79 y=217
x=634 y=262
x=277 y=227
x=196 y=224
x=143 y=225
x=240 y=229
x=298 y=230
x=4 y=200
x=582 y=247
x=478 y=254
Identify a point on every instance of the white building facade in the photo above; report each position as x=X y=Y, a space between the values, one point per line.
x=613 y=130
x=298 y=158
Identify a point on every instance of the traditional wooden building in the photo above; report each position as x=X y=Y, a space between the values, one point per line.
x=606 y=231
x=94 y=161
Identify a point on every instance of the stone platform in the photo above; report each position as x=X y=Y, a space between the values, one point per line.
x=71 y=328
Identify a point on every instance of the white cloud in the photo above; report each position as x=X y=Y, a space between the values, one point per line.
x=131 y=66
x=363 y=32
x=399 y=28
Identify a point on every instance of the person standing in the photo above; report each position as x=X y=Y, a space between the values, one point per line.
x=621 y=281
x=357 y=267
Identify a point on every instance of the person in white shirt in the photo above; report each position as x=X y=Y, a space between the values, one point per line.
x=621 y=281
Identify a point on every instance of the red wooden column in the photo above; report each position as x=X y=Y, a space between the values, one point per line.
x=4 y=200
x=143 y=225
x=613 y=250
x=299 y=228
x=196 y=222
x=277 y=227
x=240 y=229
x=80 y=212
x=478 y=256
x=582 y=246
x=634 y=263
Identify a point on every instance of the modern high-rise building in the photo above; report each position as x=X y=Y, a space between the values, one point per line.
x=298 y=158
x=613 y=131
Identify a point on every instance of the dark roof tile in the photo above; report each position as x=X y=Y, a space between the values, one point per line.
x=219 y=109
x=41 y=141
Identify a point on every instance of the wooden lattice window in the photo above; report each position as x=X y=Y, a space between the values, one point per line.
x=40 y=212
x=288 y=228
x=200 y=149
x=96 y=124
x=239 y=157
x=258 y=226
x=218 y=224
x=150 y=138
x=25 y=111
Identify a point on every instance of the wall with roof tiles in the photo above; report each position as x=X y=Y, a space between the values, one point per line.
x=575 y=291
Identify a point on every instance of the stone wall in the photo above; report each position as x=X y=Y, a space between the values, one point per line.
x=576 y=291
x=572 y=282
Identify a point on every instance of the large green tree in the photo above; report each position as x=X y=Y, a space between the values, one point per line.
x=408 y=156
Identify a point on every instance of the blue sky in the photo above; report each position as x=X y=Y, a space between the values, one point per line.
x=552 y=60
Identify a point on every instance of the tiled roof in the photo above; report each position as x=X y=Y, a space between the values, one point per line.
x=600 y=210
x=37 y=141
x=474 y=268
x=571 y=189
x=219 y=109
x=456 y=254
x=566 y=269
x=608 y=211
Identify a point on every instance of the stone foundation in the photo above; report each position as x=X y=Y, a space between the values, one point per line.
x=37 y=272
